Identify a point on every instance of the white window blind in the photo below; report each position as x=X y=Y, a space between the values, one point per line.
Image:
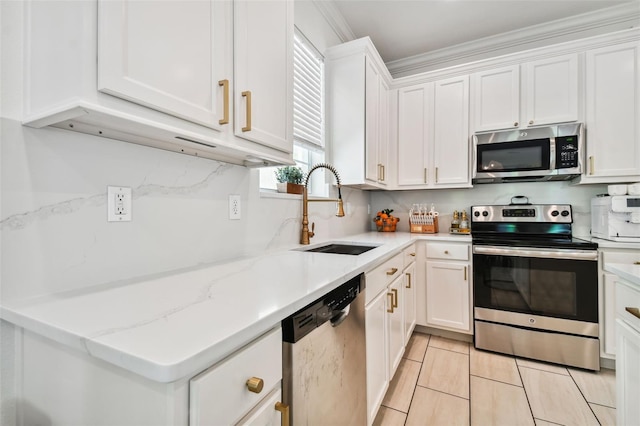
x=308 y=87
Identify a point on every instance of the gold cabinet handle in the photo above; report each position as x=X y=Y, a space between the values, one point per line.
x=436 y=175
x=591 y=164
x=392 y=271
x=530 y=121
x=284 y=410
x=425 y=175
x=446 y=252
x=412 y=254
x=515 y=124
x=225 y=100
x=382 y=168
x=390 y=309
x=408 y=280
x=255 y=385
x=247 y=94
x=633 y=311
x=465 y=273
x=395 y=297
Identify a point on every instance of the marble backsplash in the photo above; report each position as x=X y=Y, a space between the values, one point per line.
x=53 y=214
x=448 y=200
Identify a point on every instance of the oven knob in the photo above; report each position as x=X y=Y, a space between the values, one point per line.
x=555 y=213
x=532 y=320
x=485 y=214
x=565 y=213
x=476 y=213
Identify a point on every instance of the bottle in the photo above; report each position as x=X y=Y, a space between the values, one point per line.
x=455 y=223
x=464 y=222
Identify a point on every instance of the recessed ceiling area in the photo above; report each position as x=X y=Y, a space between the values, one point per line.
x=403 y=29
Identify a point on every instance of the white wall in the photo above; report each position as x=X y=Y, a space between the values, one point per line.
x=54 y=232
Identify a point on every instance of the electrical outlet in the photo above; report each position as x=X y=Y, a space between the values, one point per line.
x=234 y=207
x=118 y=204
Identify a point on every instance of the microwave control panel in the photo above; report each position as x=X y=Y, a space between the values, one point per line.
x=566 y=152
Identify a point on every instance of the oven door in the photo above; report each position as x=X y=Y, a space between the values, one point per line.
x=551 y=283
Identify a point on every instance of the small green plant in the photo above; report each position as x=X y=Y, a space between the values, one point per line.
x=290 y=174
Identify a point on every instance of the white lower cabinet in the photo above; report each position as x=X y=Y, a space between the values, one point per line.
x=224 y=394
x=607 y=297
x=267 y=413
x=448 y=286
x=385 y=329
x=627 y=353
x=409 y=298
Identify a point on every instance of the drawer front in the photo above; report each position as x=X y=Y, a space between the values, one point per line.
x=220 y=395
x=409 y=255
x=378 y=278
x=449 y=251
x=620 y=256
x=628 y=304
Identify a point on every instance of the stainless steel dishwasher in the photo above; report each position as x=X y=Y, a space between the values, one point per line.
x=324 y=365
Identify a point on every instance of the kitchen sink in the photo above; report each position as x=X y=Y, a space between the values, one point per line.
x=336 y=248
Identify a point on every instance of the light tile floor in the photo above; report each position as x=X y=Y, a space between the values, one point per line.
x=445 y=382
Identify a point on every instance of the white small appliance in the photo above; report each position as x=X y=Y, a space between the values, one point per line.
x=616 y=218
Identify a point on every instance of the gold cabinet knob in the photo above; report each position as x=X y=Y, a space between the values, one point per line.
x=515 y=124
x=530 y=121
x=446 y=252
x=255 y=385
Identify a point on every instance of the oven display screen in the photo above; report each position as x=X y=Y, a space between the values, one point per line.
x=633 y=202
x=518 y=213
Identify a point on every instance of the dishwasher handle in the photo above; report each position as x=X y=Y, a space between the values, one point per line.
x=339 y=318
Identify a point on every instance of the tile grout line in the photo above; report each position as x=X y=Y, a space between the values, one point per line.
x=497 y=381
x=583 y=397
x=419 y=371
x=526 y=394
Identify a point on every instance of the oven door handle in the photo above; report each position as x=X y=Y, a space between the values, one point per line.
x=533 y=252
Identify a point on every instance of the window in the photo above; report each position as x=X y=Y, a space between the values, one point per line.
x=308 y=115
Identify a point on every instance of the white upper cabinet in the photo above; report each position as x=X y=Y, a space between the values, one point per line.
x=169 y=56
x=551 y=91
x=612 y=113
x=358 y=113
x=496 y=98
x=263 y=69
x=451 y=132
x=167 y=74
x=433 y=135
x=415 y=133
x=532 y=94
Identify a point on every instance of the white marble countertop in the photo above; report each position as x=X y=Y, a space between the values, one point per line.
x=627 y=271
x=172 y=326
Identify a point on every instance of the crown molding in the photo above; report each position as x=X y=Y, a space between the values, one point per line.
x=584 y=25
x=335 y=19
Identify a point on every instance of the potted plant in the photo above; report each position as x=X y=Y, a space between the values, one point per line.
x=290 y=179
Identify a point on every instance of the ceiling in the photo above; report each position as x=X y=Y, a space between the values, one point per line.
x=405 y=28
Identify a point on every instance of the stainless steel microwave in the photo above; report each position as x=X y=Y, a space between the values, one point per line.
x=536 y=154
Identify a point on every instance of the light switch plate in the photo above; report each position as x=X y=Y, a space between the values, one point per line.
x=118 y=204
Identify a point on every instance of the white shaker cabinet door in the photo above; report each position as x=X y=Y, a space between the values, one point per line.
x=415 y=107
x=395 y=318
x=612 y=111
x=409 y=291
x=552 y=91
x=627 y=374
x=263 y=69
x=451 y=131
x=377 y=352
x=496 y=99
x=448 y=295
x=167 y=55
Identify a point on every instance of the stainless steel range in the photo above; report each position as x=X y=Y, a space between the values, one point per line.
x=535 y=285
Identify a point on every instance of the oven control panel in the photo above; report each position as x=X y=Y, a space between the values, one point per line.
x=543 y=213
